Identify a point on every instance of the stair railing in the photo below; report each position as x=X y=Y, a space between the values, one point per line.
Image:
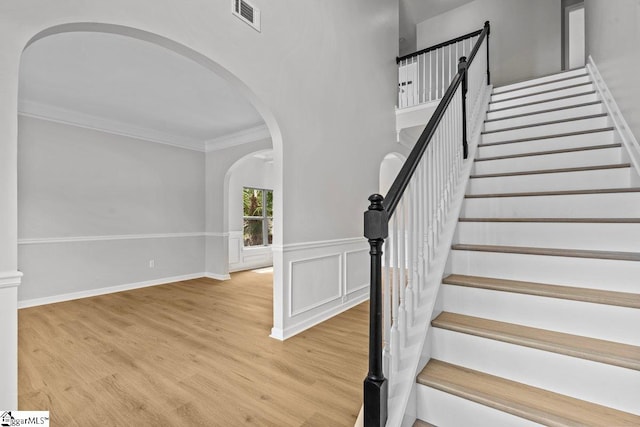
x=424 y=76
x=406 y=226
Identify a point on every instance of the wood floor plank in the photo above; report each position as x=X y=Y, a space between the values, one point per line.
x=535 y=404
x=197 y=351
x=612 y=353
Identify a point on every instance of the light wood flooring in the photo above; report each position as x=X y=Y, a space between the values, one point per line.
x=188 y=354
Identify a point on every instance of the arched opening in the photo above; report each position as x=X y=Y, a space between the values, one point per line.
x=389 y=168
x=115 y=194
x=249 y=200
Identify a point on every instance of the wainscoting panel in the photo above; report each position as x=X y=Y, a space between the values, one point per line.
x=356 y=277
x=319 y=280
x=314 y=282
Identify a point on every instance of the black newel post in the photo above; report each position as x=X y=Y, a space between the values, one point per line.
x=376 y=225
x=488 y=27
x=462 y=69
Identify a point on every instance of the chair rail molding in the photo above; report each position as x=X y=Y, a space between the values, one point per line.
x=10 y=279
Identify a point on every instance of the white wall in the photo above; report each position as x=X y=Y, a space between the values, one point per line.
x=330 y=130
x=613 y=36
x=525 y=40
x=95 y=208
x=576 y=38
x=249 y=172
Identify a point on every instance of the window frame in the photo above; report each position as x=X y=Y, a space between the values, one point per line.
x=264 y=218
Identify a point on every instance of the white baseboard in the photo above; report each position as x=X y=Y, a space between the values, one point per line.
x=217 y=276
x=283 y=334
x=107 y=290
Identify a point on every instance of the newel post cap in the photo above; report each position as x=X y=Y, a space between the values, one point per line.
x=376 y=220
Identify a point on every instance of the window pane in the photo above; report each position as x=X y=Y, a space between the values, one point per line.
x=252 y=232
x=252 y=202
x=269 y=203
x=270 y=231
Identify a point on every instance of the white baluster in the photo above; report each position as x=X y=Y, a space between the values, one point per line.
x=386 y=307
x=424 y=77
x=443 y=86
x=437 y=54
x=395 y=339
x=402 y=265
x=421 y=218
x=411 y=230
x=430 y=76
x=449 y=81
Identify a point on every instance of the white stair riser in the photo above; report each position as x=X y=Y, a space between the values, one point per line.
x=444 y=409
x=606 y=205
x=580 y=180
x=615 y=275
x=605 y=384
x=541 y=97
x=546 y=144
x=586 y=96
x=545 y=130
x=550 y=78
x=530 y=119
x=573 y=159
x=593 y=236
x=541 y=88
x=601 y=321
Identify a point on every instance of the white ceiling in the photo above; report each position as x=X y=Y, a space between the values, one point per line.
x=412 y=12
x=109 y=81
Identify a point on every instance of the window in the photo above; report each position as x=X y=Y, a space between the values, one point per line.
x=258 y=216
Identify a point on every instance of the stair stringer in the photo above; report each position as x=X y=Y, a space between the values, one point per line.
x=629 y=140
x=402 y=385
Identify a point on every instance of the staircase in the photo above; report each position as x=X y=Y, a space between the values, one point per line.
x=538 y=322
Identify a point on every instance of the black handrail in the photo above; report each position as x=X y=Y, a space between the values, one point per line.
x=437 y=46
x=376 y=228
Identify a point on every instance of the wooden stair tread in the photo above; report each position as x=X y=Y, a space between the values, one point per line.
x=597 y=350
x=552 y=122
x=555 y=193
x=591 y=92
x=562 y=220
x=556 y=135
x=543 y=153
x=559 y=170
x=420 y=423
x=541 y=92
x=532 y=403
x=572 y=253
x=550 y=110
x=574 y=293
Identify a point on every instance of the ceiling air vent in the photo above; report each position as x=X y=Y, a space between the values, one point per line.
x=246 y=12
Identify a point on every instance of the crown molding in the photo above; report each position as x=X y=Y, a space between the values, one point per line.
x=69 y=117
x=238 y=138
x=65 y=116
